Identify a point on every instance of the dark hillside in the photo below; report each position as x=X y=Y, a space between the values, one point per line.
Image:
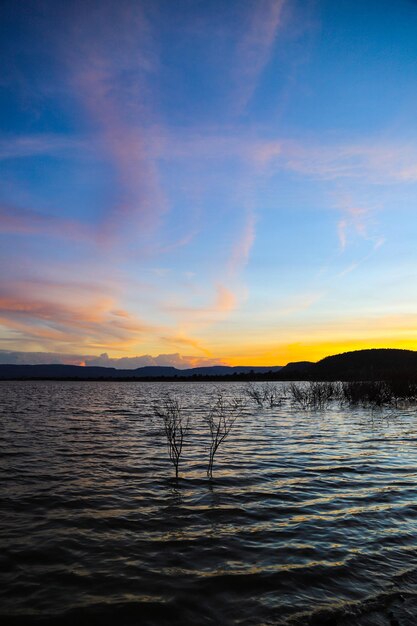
x=297 y=370
x=375 y=364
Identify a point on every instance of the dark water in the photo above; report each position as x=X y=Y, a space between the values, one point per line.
x=311 y=518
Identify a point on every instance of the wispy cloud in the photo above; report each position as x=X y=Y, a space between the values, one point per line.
x=87 y=316
x=68 y=315
x=242 y=246
x=357 y=222
x=23 y=146
x=375 y=162
x=222 y=302
x=181 y=340
x=355 y=218
x=255 y=48
x=109 y=55
x=15 y=220
x=299 y=304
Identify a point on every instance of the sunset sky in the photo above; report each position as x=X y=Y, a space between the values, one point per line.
x=188 y=182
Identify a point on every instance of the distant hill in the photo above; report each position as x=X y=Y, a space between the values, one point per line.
x=61 y=372
x=297 y=370
x=375 y=364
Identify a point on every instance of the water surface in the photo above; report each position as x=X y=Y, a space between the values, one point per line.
x=311 y=517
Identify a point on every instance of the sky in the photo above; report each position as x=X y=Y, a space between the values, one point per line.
x=195 y=182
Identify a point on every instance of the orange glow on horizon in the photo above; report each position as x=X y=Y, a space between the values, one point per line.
x=312 y=351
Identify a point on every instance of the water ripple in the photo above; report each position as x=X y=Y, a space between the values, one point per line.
x=311 y=518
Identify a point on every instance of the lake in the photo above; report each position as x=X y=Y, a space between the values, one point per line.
x=311 y=517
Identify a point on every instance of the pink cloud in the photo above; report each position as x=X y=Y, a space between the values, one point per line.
x=82 y=316
x=182 y=340
x=378 y=163
x=33 y=145
x=16 y=220
x=67 y=315
x=341 y=232
x=255 y=47
x=356 y=221
x=241 y=249
x=224 y=301
x=110 y=59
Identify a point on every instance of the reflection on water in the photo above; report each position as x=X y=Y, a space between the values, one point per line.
x=311 y=517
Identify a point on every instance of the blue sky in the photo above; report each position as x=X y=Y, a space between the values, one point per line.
x=199 y=182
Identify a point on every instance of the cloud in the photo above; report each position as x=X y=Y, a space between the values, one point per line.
x=109 y=55
x=182 y=340
x=194 y=319
x=377 y=163
x=15 y=220
x=103 y=360
x=241 y=249
x=63 y=317
x=341 y=232
x=354 y=218
x=23 y=146
x=299 y=303
x=55 y=315
x=166 y=360
x=13 y=357
x=223 y=301
x=357 y=221
x=255 y=48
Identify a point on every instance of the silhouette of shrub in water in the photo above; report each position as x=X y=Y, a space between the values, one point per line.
x=379 y=393
x=313 y=395
x=176 y=423
x=220 y=420
x=264 y=394
x=403 y=390
x=374 y=393
x=254 y=393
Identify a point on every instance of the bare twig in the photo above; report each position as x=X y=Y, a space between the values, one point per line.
x=254 y=393
x=220 y=420
x=176 y=423
x=265 y=393
x=313 y=395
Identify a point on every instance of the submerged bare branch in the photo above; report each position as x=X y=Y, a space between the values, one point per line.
x=313 y=395
x=220 y=420
x=170 y=411
x=264 y=394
